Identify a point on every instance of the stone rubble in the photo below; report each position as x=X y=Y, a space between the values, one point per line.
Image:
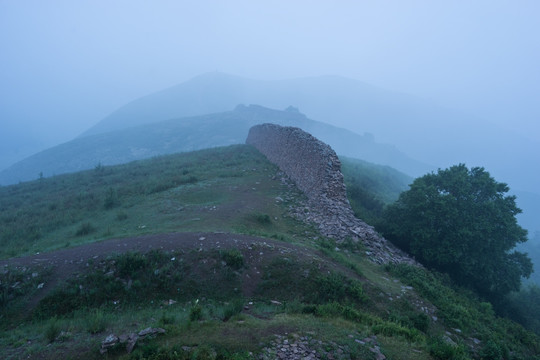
x=129 y=339
x=297 y=347
x=316 y=170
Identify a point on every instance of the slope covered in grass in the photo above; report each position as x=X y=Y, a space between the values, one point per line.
x=229 y=189
x=221 y=295
x=370 y=187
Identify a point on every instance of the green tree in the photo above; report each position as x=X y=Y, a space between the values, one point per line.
x=524 y=307
x=460 y=221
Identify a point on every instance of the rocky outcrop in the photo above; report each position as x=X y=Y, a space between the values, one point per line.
x=316 y=170
x=296 y=347
x=130 y=340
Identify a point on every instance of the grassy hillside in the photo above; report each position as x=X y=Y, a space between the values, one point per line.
x=370 y=187
x=219 y=294
x=225 y=189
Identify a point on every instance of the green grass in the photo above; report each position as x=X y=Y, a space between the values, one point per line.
x=52 y=330
x=17 y=286
x=371 y=187
x=227 y=189
x=325 y=291
x=319 y=297
x=135 y=279
x=382 y=182
x=460 y=309
x=97 y=322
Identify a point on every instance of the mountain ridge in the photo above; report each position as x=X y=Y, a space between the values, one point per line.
x=421 y=128
x=193 y=133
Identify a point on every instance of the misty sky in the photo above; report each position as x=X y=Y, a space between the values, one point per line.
x=65 y=65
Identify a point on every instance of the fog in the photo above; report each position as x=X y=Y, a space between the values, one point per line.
x=66 y=65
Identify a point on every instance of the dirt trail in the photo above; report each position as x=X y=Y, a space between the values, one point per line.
x=66 y=263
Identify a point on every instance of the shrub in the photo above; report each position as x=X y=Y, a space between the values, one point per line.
x=52 y=330
x=121 y=216
x=393 y=329
x=96 y=322
x=493 y=351
x=420 y=322
x=263 y=219
x=15 y=285
x=441 y=350
x=99 y=168
x=195 y=313
x=190 y=180
x=92 y=290
x=332 y=309
x=111 y=199
x=139 y=278
x=130 y=263
x=233 y=258
x=335 y=309
x=167 y=319
x=204 y=352
x=336 y=287
x=233 y=308
x=85 y=229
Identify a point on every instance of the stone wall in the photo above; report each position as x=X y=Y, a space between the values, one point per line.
x=310 y=163
x=316 y=170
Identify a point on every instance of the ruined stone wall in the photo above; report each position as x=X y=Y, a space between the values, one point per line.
x=310 y=163
x=316 y=170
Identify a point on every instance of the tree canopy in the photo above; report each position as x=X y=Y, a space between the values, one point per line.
x=460 y=221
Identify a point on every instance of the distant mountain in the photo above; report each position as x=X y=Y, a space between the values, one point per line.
x=193 y=133
x=418 y=127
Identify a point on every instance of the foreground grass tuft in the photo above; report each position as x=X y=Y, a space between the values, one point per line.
x=97 y=321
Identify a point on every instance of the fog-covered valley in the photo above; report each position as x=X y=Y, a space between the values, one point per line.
x=126 y=123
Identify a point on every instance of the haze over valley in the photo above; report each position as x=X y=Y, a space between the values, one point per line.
x=258 y=180
x=440 y=83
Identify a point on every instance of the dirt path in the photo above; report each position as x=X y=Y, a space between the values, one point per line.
x=67 y=263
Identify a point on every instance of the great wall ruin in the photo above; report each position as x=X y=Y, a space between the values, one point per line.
x=316 y=170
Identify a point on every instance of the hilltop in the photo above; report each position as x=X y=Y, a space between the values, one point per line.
x=411 y=124
x=252 y=278
x=390 y=128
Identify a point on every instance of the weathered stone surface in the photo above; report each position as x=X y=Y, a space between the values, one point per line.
x=151 y=331
x=110 y=341
x=316 y=170
x=130 y=340
x=297 y=347
x=312 y=164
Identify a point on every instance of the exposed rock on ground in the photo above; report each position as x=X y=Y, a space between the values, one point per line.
x=316 y=170
x=307 y=348
x=129 y=339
